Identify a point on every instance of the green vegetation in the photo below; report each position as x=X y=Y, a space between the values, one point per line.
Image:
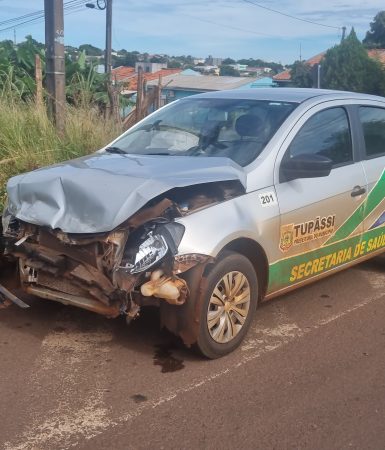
x=229 y=71
x=28 y=139
x=348 y=67
x=301 y=74
x=375 y=37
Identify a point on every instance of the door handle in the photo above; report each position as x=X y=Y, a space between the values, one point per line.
x=358 y=190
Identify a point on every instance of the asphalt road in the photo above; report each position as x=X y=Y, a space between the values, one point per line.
x=311 y=375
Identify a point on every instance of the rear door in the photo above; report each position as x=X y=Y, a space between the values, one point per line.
x=372 y=119
x=321 y=222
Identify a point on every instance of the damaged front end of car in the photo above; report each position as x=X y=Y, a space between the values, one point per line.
x=115 y=273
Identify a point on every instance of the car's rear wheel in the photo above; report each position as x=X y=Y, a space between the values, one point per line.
x=229 y=302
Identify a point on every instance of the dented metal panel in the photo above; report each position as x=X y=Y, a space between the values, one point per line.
x=97 y=193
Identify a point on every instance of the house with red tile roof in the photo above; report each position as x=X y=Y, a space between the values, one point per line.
x=133 y=85
x=284 y=78
x=128 y=78
x=122 y=73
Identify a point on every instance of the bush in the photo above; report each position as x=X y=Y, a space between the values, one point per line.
x=28 y=139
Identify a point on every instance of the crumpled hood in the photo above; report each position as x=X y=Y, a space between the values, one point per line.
x=97 y=193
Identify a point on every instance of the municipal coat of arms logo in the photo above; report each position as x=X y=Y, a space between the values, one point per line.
x=287 y=237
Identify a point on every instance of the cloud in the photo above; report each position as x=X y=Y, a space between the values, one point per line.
x=219 y=27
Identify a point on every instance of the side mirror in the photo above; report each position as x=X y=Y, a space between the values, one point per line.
x=305 y=166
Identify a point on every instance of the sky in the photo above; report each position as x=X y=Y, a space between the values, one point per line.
x=221 y=28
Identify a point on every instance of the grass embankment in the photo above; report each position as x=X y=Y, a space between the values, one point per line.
x=28 y=139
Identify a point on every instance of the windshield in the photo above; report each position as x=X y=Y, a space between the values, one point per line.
x=233 y=128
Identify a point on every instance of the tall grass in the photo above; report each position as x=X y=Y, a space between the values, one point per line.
x=28 y=139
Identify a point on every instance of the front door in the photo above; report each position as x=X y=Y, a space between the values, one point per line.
x=321 y=222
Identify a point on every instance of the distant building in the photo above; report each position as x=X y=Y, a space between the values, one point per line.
x=180 y=85
x=122 y=74
x=127 y=80
x=214 y=70
x=191 y=72
x=149 y=67
x=263 y=83
x=239 y=67
x=127 y=77
x=210 y=61
x=284 y=78
x=100 y=68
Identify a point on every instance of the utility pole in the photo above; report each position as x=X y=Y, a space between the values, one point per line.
x=319 y=76
x=55 y=65
x=343 y=33
x=108 y=62
x=113 y=106
x=112 y=94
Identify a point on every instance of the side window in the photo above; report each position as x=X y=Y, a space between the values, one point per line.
x=373 y=125
x=327 y=133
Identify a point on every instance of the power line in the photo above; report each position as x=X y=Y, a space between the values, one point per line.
x=38 y=16
x=32 y=14
x=226 y=26
x=289 y=15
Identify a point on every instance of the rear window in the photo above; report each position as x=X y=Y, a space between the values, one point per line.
x=373 y=125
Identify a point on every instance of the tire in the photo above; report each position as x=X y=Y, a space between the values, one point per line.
x=221 y=327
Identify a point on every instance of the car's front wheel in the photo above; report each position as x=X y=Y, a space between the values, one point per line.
x=229 y=302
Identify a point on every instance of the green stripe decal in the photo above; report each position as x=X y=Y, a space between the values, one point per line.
x=374 y=198
x=295 y=269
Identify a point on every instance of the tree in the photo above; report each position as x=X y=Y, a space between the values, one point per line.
x=375 y=38
x=90 y=50
x=158 y=59
x=17 y=65
x=228 y=62
x=301 y=75
x=229 y=71
x=348 y=67
x=126 y=59
x=173 y=64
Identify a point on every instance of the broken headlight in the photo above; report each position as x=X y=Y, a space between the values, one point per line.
x=150 y=252
x=9 y=223
x=163 y=238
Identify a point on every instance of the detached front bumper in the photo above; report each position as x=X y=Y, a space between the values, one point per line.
x=6 y=298
x=89 y=272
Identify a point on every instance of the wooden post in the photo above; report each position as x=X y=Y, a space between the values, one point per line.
x=39 y=81
x=139 y=95
x=118 y=117
x=143 y=112
x=158 y=93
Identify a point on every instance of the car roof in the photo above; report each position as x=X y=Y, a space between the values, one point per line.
x=295 y=95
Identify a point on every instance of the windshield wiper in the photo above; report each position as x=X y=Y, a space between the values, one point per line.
x=156 y=154
x=115 y=150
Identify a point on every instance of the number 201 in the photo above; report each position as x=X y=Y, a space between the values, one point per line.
x=266 y=199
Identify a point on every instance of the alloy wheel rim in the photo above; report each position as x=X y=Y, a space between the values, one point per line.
x=228 y=307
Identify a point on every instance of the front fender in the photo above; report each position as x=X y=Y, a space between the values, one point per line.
x=208 y=231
